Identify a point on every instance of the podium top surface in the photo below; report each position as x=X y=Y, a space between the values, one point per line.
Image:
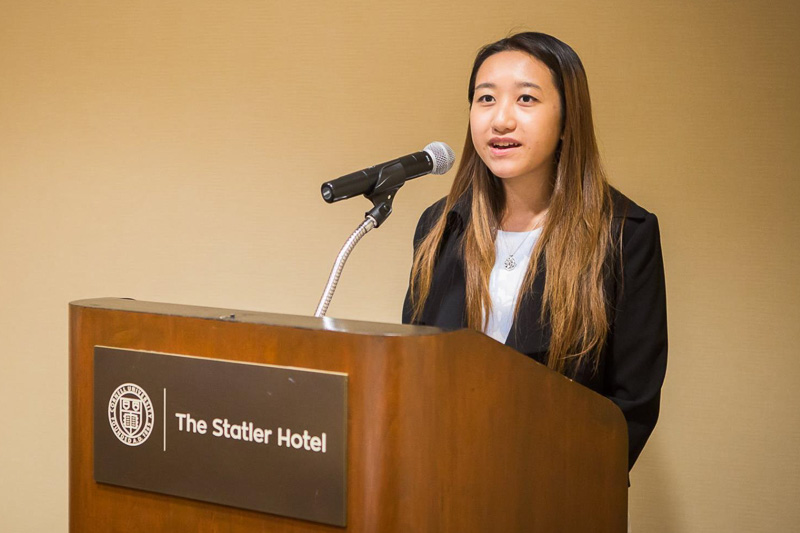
x=257 y=317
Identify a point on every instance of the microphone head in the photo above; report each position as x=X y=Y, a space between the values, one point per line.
x=442 y=155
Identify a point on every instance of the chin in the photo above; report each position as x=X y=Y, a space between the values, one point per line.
x=503 y=173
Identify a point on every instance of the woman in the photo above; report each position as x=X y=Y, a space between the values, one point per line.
x=534 y=248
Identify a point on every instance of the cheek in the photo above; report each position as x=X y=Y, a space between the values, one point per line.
x=477 y=122
x=555 y=120
x=546 y=129
x=473 y=127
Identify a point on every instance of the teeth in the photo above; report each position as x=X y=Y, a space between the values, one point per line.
x=504 y=145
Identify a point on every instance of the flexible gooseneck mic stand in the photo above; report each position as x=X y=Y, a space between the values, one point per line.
x=382 y=202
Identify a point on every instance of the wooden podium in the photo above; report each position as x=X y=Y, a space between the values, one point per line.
x=447 y=431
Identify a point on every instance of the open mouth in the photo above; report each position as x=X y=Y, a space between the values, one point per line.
x=504 y=145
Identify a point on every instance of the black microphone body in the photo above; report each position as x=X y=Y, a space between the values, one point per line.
x=377 y=177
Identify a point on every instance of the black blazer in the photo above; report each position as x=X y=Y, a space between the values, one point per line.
x=633 y=362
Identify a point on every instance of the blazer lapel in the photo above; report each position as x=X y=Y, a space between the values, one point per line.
x=528 y=335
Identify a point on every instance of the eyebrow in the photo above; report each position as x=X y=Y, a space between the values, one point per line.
x=489 y=85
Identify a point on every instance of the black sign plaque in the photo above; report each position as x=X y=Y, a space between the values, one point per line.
x=259 y=437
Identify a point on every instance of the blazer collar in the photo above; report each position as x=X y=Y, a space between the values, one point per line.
x=528 y=335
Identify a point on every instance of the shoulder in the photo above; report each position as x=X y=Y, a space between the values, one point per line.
x=457 y=216
x=625 y=208
x=428 y=219
x=432 y=213
x=631 y=219
x=642 y=265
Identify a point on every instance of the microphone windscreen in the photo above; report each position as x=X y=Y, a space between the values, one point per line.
x=442 y=155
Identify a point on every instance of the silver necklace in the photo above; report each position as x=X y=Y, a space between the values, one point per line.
x=510 y=263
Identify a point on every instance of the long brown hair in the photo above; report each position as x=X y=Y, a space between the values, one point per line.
x=576 y=237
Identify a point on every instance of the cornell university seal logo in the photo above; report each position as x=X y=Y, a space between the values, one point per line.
x=131 y=415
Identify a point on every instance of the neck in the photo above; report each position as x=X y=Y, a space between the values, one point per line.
x=526 y=203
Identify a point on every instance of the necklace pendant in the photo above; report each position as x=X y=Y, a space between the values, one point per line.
x=509 y=263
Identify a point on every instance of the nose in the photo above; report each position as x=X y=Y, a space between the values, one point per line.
x=504 y=120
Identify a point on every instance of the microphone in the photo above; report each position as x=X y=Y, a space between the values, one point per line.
x=436 y=158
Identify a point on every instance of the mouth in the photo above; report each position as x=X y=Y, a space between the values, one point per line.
x=501 y=146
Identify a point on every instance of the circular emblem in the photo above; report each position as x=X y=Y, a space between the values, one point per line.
x=131 y=415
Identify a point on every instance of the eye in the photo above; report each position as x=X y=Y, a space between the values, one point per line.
x=527 y=99
x=485 y=98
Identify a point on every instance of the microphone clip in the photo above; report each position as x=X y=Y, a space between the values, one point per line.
x=390 y=179
x=382 y=209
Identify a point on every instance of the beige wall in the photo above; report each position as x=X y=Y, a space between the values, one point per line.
x=173 y=152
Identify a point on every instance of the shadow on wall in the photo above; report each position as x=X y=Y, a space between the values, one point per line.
x=655 y=489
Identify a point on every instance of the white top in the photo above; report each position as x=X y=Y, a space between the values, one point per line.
x=504 y=284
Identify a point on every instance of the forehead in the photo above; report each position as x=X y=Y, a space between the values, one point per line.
x=513 y=67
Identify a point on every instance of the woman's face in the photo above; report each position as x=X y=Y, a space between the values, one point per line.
x=515 y=118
